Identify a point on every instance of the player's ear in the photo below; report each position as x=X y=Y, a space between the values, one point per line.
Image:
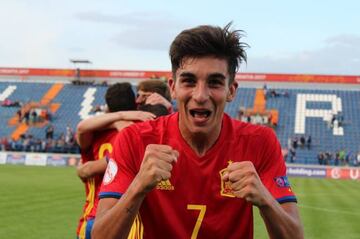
x=171 y=83
x=232 y=91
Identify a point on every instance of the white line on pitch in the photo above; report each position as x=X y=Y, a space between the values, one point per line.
x=328 y=210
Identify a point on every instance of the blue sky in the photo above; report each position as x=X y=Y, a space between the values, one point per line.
x=316 y=37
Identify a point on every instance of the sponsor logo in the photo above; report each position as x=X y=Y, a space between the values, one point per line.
x=225 y=190
x=282 y=182
x=110 y=172
x=165 y=185
x=56 y=160
x=306 y=172
x=35 y=159
x=336 y=173
x=15 y=159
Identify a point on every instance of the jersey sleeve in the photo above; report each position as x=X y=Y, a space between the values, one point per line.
x=86 y=156
x=273 y=169
x=121 y=168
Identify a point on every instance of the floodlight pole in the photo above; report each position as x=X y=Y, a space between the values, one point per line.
x=77 y=69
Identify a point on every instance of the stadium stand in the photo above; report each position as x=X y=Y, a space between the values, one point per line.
x=329 y=114
x=312 y=113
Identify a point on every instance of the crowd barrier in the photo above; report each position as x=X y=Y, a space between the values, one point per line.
x=44 y=159
x=39 y=159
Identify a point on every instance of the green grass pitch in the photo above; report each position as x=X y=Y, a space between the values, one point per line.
x=46 y=202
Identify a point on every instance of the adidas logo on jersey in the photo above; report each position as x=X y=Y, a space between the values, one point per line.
x=165 y=185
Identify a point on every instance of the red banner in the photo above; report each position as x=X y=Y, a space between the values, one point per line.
x=298 y=78
x=343 y=173
x=83 y=73
x=23 y=72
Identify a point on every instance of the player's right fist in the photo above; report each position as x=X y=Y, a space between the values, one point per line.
x=156 y=165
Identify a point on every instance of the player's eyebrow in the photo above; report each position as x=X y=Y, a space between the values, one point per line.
x=211 y=75
x=187 y=74
x=217 y=75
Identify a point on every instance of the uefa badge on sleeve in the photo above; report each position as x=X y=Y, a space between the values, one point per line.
x=110 y=172
x=282 y=182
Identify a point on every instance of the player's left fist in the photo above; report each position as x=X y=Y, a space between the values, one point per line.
x=246 y=183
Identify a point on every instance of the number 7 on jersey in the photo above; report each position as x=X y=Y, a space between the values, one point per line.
x=200 y=218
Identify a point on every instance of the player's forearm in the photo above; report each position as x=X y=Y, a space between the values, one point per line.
x=282 y=221
x=92 y=168
x=98 y=122
x=117 y=221
x=85 y=129
x=82 y=171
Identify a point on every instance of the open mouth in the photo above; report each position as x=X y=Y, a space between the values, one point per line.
x=200 y=114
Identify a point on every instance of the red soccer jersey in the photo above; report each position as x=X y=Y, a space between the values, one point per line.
x=195 y=202
x=102 y=146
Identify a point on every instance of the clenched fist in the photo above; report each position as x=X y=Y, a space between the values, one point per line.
x=246 y=183
x=156 y=165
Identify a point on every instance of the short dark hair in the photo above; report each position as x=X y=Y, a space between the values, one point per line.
x=120 y=97
x=209 y=40
x=157 y=109
x=155 y=86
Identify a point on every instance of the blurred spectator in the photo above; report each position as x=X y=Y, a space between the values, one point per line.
x=69 y=135
x=28 y=143
x=4 y=144
x=33 y=118
x=273 y=93
x=320 y=158
x=292 y=155
x=294 y=142
x=337 y=158
x=302 y=141
x=333 y=119
x=265 y=90
x=348 y=158
x=19 y=115
x=26 y=117
x=328 y=157
x=342 y=156
x=340 y=118
x=308 y=142
x=10 y=103
x=49 y=132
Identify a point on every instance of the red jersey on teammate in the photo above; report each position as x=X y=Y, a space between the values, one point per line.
x=102 y=147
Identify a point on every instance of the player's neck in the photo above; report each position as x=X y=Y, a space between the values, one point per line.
x=200 y=143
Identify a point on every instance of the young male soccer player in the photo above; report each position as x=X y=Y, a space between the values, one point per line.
x=198 y=173
x=97 y=144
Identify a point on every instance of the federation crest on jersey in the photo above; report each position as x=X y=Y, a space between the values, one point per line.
x=225 y=190
x=110 y=172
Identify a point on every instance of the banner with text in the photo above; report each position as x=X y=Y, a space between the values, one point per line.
x=131 y=74
x=324 y=172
